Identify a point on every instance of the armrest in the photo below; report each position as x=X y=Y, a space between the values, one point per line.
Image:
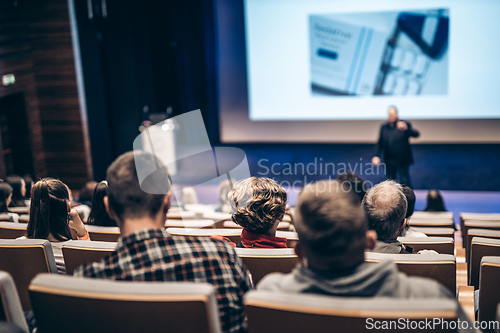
x=460 y=255
x=462 y=274
x=466 y=300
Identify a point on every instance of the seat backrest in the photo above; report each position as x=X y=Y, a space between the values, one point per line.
x=19 y=210
x=103 y=234
x=440 y=267
x=481 y=247
x=467 y=225
x=10 y=230
x=428 y=223
x=23 y=259
x=432 y=215
x=480 y=216
x=489 y=293
x=270 y=312
x=443 y=245
x=261 y=262
x=122 y=306
x=282 y=226
x=77 y=253
x=10 y=305
x=190 y=224
x=233 y=234
x=484 y=233
x=436 y=232
x=180 y=215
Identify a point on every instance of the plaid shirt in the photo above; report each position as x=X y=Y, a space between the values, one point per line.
x=154 y=255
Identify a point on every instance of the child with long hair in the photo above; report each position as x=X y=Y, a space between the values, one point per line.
x=52 y=218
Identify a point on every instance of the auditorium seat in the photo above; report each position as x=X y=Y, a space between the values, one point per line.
x=443 y=245
x=261 y=262
x=11 y=230
x=77 y=305
x=24 y=218
x=10 y=305
x=206 y=224
x=489 y=293
x=495 y=217
x=77 y=253
x=271 y=312
x=432 y=215
x=436 y=232
x=19 y=210
x=283 y=226
x=481 y=247
x=440 y=267
x=428 y=223
x=23 y=259
x=5 y=217
x=103 y=234
x=218 y=217
x=484 y=233
x=234 y=234
x=180 y=215
x=469 y=224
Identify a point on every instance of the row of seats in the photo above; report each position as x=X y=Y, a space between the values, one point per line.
x=91 y=305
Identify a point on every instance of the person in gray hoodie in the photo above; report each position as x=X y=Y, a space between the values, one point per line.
x=333 y=236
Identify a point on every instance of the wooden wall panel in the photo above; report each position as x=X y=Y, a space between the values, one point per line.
x=65 y=137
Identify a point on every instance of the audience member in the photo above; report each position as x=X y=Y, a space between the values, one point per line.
x=146 y=252
x=28 y=181
x=408 y=231
x=333 y=236
x=5 y=196
x=85 y=196
x=353 y=182
x=224 y=188
x=51 y=217
x=386 y=205
x=258 y=205
x=18 y=190
x=98 y=214
x=435 y=202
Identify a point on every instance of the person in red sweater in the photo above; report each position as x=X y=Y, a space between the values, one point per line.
x=258 y=205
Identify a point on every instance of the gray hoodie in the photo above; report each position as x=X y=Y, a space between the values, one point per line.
x=381 y=279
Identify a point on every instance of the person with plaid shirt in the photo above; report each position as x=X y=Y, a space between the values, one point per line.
x=146 y=252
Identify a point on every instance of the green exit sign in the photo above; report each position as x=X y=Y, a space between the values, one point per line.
x=8 y=79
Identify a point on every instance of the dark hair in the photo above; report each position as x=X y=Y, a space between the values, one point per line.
x=353 y=182
x=331 y=224
x=5 y=191
x=257 y=203
x=17 y=197
x=435 y=202
x=385 y=205
x=49 y=210
x=87 y=191
x=126 y=196
x=410 y=198
x=98 y=214
x=29 y=183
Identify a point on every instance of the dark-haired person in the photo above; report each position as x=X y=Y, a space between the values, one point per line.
x=5 y=197
x=98 y=214
x=385 y=205
x=18 y=191
x=351 y=181
x=85 y=196
x=28 y=181
x=258 y=205
x=52 y=218
x=409 y=231
x=333 y=236
x=435 y=202
x=394 y=145
x=146 y=252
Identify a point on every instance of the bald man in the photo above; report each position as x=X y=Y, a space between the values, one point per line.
x=394 y=144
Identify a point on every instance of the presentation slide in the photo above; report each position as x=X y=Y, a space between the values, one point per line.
x=320 y=60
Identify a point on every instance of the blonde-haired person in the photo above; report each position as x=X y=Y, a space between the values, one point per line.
x=52 y=218
x=258 y=205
